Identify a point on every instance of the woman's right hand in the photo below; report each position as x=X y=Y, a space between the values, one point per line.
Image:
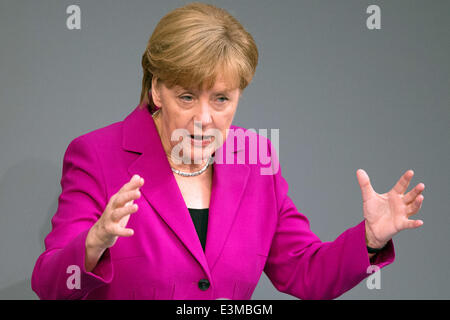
x=111 y=224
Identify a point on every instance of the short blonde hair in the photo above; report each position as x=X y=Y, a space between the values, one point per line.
x=192 y=45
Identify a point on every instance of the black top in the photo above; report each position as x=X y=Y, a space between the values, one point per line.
x=200 y=220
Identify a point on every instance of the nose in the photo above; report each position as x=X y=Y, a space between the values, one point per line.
x=204 y=117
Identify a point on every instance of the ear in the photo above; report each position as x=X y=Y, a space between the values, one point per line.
x=156 y=92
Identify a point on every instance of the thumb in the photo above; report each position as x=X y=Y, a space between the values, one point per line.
x=364 y=183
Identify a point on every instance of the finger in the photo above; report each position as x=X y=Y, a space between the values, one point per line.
x=122 y=232
x=415 y=206
x=412 y=224
x=411 y=195
x=135 y=182
x=364 y=183
x=125 y=197
x=403 y=183
x=119 y=213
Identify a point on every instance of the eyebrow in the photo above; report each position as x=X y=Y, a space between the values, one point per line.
x=226 y=90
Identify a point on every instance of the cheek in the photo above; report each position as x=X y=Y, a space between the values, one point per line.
x=224 y=133
x=224 y=122
x=174 y=132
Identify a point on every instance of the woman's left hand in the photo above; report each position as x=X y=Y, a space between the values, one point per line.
x=388 y=213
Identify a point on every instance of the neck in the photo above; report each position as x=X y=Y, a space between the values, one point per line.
x=185 y=167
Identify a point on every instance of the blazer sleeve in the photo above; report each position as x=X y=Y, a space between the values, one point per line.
x=300 y=264
x=80 y=204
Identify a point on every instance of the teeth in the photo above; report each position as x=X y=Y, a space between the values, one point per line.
x=200 y=137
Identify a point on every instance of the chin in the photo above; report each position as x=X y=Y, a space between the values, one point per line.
x=201 y=159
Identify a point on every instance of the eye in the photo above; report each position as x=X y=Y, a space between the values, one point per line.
x=224 y=99
x=186 y=98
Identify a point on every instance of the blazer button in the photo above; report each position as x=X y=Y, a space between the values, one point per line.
x=203 y=284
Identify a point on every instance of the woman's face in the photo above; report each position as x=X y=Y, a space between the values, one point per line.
x=185 y=112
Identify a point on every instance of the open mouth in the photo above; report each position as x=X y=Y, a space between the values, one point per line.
x=200 y=138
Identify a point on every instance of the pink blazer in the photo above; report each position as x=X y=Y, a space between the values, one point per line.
x=253 y=227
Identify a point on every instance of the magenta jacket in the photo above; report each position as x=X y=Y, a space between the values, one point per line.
x=253 y=227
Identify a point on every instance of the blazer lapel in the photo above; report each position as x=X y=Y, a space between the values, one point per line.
x=163 y=194
x=229 y=182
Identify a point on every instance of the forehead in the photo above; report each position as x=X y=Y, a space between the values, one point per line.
x=221 y=84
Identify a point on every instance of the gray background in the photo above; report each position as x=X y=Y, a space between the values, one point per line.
x=344 y=97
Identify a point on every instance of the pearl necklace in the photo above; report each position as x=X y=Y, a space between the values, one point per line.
x=189 y=174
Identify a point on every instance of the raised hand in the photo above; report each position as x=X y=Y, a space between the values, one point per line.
x=388 y=213
x=111 y=224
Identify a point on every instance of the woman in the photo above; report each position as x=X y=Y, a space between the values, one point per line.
x=148 y=212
